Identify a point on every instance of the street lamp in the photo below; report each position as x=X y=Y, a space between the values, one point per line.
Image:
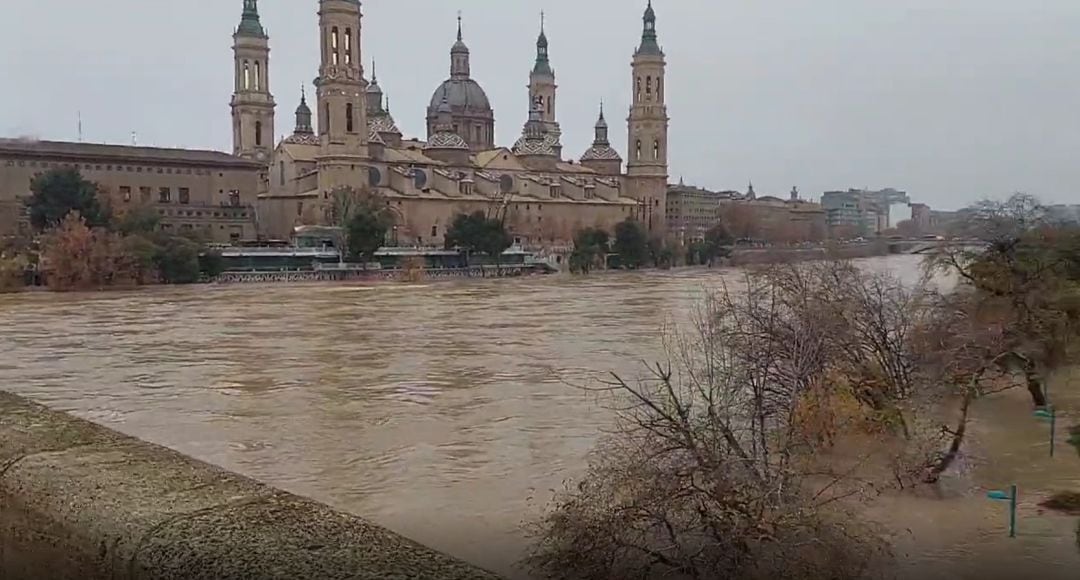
x=1049 y=414
x=1010 y=497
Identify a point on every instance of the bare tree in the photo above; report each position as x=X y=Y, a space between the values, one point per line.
x=714 y=470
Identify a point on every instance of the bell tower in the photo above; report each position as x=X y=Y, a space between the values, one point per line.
x=542 y=90
x=342 y=101
x=252 y=104
x=647 y=128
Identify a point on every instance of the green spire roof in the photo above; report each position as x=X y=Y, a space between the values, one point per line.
x=648 y=34
x=249 y=21
x=543 y=65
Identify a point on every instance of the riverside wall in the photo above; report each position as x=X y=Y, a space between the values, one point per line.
x=81 y=502
x=754 y=256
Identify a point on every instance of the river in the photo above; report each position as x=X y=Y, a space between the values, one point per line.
x=447 y=411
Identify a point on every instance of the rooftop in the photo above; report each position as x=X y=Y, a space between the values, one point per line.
x=27 y=147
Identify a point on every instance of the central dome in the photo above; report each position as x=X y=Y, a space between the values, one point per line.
x=463 y=95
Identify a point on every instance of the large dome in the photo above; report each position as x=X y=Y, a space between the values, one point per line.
x=463 y=95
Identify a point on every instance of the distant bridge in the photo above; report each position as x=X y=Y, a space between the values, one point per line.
x=921 y=247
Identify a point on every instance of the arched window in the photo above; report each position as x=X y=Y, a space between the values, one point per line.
x=549 y=106
x=349 y=117
x=281 y=172
x=334 y=45
x=258 y=76
x=639 y=87
x=648 y=85
x=348 y=46
x=637 y=153
x=258 y=133
x=656 y=150
x=327 y=130
x=247 y=75
x=660 y=88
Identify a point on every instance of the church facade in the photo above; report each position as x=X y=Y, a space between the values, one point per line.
x=351 y=140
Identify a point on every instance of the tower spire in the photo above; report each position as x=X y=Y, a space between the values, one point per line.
x=459 y=55
x=249 y=21
x=649 y=44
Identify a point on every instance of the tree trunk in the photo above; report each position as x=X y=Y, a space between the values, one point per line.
x=1034 y=384
x=934 y=472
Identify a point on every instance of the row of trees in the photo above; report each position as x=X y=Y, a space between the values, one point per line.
x=80 y=244
x=734 y=457
x=632 y=248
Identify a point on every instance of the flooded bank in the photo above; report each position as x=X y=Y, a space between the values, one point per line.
x=442 y=411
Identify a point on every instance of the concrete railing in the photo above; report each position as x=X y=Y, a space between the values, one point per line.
x=78 y=501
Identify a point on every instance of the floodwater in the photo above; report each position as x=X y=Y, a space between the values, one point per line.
x=449 y=411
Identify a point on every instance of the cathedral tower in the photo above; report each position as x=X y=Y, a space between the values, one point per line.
x=647 y=128
x=542 y=91
x=252 y=104
x=342 y=100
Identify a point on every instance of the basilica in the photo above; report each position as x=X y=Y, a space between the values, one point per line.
x=347 y=138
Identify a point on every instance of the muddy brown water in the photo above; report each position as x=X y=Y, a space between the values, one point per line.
x=441 y=410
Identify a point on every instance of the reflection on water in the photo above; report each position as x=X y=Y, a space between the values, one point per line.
x=442 y=410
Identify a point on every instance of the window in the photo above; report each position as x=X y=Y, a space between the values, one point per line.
x=637 y=150
x=247 y=75
x=144 y=194
x=125 y=192
x=258 y=76
x=655 y=150
x=160 y=170
x=258 y=133
x=185 y=195
x=349 y=118
x=327 y=131
x=434 y=231
x=281 y=173
x=299 y=208
x=648 y=85
x=639 y=88
x=348 y=46
x=660 y=88
x=164 y=195
x=334 y=46
x=185 y=226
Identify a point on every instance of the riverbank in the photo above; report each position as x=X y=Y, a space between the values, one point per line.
x=81 y=501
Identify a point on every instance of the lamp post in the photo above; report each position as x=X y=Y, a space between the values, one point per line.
x=1049 y=414
x=1010 y=497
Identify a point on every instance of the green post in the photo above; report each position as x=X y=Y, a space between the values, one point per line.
x=1053 y=429
x=1012 y=513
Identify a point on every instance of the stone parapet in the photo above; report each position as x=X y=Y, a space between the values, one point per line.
x=79 y=501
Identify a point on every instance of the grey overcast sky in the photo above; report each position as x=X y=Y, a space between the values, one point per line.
x=952 y=100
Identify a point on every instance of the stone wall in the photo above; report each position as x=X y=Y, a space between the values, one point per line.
x=81 y=502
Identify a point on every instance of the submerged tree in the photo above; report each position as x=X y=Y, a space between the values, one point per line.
x=476 y=232
x=716 y=466
x=631 y=244
x=590 y=250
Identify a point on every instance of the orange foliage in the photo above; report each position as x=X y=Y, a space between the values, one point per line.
x=76 y=257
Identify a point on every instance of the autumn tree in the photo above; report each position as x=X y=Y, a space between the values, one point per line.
x=59 y=192
x=1022 y=269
